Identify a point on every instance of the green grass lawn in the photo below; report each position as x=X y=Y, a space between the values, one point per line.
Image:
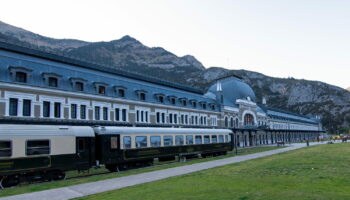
x=57 y=184
x=320 y=172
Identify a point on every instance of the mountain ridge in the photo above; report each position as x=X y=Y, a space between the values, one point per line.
x=332 y=103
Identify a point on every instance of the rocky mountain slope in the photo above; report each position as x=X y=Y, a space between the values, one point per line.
x=305 y=97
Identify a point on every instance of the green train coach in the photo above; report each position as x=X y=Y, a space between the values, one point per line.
x=35 y=153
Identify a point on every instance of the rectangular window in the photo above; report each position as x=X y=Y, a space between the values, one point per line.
x=57 y=109
x=46 y=109
x=21 y=77
x=206 y=139
x=141 y=141
x=114 y=142
x=73 y=111
x=155 y=141
x=214 y=139
x=221 y=138
x=142 y=115
x=189 y=139
x=124 y=115
x=186 y=119
x=117 y=117
x=38 y=147
x=163 y=118
x=137 y=115
x=173 y=101
x=27 y=105
x=179 y=140
x=127 y=142
x=146 y=116
x=13 y=107
x=226 y=138
x=158 y=117
x=105 y=113
x=53 y=82
x=161 y=99
x=182 y=119
x=97 y=113
x=198 y=139
x=5 y=149
x=168 y=140
x=82 y=112
x=79 y=86
x=170 y=118
x=175 y=118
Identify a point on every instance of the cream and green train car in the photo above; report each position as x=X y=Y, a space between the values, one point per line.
x=126 y=147
x=38 y=152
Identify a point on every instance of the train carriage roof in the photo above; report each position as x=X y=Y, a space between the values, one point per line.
x=16 y=130
x=157 y=131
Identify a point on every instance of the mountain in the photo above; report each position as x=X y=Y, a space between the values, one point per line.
x=301 y=96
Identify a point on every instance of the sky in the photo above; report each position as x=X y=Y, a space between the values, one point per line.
x=305 y=39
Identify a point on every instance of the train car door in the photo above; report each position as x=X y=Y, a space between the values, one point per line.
x=84 y=152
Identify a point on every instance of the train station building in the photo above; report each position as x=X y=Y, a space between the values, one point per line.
x=39 y=87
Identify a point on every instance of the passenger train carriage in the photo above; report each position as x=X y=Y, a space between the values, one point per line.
x=42 y=152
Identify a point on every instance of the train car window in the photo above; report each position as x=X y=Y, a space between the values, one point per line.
x=198 y=139
x=155 y=141
x=206 y=139
x=114 y=142
x=221 y=138
x=214 y=139
x=141 y=141
x=38 y=147
x=5 y=149
x=179 y=140
x=127 y=142
x=81 y=145
x=189 y=139
x=168 y=140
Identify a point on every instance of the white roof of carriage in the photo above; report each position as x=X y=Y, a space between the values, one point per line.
x=156 y=131
x=17 y=130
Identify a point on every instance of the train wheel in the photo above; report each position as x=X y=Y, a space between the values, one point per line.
x=112 y=168
x=10 y=181
x=57 y=175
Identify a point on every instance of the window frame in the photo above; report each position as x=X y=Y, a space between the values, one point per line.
x=155 y=136
x=136 y=137
x=172 y=140
x=10 y=148
x=124 y=147
x=31 y=140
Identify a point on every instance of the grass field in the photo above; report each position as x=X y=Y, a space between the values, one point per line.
x=320 y=173
x=57 y=184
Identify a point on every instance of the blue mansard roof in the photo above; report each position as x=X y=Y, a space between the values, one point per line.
x=286 y=115
x=41 y=63
x=95 y=66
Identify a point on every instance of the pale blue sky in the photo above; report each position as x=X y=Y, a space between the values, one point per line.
x=301 y=38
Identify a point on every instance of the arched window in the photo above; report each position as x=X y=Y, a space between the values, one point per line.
x=232 y=122
x=226 y=122
x=236 y=122
x=248 y=120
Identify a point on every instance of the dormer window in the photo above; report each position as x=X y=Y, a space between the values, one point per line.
x=172 y=100
x=20 y=74
x=204 y=105
x=193 y=103
x=183 y=101
x=21 y=77
x=100 y=87
x=53 y=82
x=159 y=97
x=120 y=91
x=141 y=94
x=78 y=84
x=51 y=79
x=212 y=106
